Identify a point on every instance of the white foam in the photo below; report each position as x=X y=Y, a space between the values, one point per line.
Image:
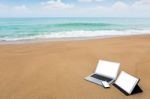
x=82 y=33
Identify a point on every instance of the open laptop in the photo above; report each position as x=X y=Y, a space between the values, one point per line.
x=105 y=71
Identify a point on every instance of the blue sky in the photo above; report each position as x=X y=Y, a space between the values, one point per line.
x=74 y=8
x=75 y=2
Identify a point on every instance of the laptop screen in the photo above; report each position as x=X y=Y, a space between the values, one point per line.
x=107 y=68
x=126 y=82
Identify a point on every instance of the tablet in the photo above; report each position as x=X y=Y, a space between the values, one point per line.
x=126 y=82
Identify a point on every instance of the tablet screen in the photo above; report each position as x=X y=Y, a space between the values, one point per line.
x=126 y=81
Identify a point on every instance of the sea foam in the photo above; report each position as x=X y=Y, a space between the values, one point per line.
x=81 y=34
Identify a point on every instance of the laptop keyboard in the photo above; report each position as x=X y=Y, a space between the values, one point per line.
x=101 y=77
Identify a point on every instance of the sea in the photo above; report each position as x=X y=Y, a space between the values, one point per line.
x=15 y=29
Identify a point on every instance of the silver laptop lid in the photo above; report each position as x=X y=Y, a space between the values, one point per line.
x=126 y=81
x=107 y=68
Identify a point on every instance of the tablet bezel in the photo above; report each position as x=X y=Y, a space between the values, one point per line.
x=133 y=85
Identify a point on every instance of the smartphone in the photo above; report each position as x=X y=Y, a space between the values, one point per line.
x=105 y=84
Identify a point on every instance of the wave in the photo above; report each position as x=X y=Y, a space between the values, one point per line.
x=82 y=24
x=81 y=33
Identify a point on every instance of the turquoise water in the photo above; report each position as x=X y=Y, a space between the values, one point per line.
x=33 y=28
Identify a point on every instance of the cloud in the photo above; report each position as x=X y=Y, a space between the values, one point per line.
x=142 y=5
x=119 y=6
x=20 y=8
x=140 y=8
x=56 y=4
x=144 y=1
x=117 y=9
x=89 y=1
x=14 y=11
x=85 y=0
x=57 y=8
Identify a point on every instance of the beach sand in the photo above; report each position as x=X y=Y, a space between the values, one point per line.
x=56 y=69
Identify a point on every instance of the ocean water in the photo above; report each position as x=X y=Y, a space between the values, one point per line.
x=12 y=29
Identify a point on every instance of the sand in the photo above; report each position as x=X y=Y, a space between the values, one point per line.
x=56 y=69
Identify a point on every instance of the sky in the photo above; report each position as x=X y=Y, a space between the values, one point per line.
x=74 y=8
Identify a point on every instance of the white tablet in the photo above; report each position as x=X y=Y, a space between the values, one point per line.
x=126 y=82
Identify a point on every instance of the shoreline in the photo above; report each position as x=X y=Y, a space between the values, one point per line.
x=42 y=40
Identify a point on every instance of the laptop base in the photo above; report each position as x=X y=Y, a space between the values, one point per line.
x=93 y=80
x=96 y=81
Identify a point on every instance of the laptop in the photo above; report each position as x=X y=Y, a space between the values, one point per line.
x=105 y=71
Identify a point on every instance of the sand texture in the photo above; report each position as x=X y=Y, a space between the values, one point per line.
x=56 y=69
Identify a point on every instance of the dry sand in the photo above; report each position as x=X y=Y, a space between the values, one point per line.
x=56 y=69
